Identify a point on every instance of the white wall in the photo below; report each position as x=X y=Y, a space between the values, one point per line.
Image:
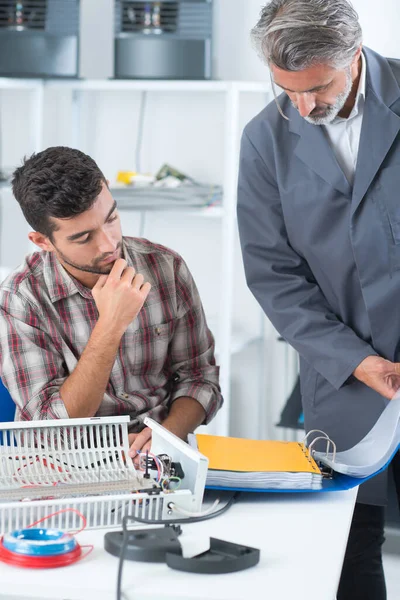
x=234 y=58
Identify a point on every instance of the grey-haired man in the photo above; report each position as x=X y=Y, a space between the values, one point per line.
x=319 y=220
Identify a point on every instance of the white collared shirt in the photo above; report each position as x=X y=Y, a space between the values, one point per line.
x=344 y=134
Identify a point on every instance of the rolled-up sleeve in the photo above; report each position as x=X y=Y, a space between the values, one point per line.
x=31 y=368
x=191 y=352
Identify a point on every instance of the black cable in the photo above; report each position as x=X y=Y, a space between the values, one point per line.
x=127 y=518
x=215 y=513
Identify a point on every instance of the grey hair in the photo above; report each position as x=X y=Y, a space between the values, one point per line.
x=296 y=34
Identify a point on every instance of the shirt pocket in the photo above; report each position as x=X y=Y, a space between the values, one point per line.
x=149 y=348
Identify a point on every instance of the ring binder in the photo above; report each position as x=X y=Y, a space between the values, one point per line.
x=245 y=464
x=347 y=469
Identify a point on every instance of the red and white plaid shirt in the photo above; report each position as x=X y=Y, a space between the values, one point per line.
x=46 y=318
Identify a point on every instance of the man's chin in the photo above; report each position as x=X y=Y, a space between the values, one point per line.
x=106 y=270
x=323 y=119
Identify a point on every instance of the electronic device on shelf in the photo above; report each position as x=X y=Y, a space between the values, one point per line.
x=163 y=40
x=40 y=38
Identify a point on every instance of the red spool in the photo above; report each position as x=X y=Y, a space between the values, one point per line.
x=39 y=562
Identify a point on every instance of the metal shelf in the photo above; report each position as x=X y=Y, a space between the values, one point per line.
x=11 y=83
x=135 y=85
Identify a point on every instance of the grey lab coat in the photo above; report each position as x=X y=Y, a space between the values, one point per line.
x=323 y=258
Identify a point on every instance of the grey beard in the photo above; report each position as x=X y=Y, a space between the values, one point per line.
x=332 y=111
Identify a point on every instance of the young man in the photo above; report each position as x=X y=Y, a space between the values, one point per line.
x=97 y=323
x=319 y=219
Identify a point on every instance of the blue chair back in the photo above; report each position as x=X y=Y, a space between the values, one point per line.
x=7 y=407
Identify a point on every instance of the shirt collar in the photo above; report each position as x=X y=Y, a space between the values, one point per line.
x=59 y=283
x=360 y=96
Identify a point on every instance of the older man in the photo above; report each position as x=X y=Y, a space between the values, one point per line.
x=319 y=220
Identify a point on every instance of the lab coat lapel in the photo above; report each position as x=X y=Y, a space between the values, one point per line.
x=380 y=124
x=379 y=130
x=314 y=150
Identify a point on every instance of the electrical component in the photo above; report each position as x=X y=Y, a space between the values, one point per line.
x=168 y=467
x=50 y=466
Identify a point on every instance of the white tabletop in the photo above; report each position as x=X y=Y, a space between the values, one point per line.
x=302 y=538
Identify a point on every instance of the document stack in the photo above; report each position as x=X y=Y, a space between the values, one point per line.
x=237 y=463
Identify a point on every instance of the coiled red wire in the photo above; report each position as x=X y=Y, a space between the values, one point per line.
x=46 y=562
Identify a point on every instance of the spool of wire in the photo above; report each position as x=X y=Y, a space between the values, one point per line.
x=42 y=548
x=39 y=548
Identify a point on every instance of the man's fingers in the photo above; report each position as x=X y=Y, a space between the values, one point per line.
x=138 y=281
x=141 y=439
x=100 y=282
x=145 y=289
x=147 y=447
x=128 y=275
x=118 y=268
x=396 y=368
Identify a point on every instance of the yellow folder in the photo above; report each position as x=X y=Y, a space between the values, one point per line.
x=255 y=456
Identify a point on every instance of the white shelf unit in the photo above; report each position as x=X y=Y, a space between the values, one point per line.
x=36 y=88
x=228 y=341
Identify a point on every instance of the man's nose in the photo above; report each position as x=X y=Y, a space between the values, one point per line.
x=305 y=104
x=106 y=243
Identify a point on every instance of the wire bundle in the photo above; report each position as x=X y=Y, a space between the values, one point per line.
x=41 y=548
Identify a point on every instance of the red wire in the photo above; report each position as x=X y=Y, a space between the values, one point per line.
x=59 y=512
x=40 y=562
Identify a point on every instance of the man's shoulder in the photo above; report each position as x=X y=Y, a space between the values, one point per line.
x=394 y=64
x=269 y=123
x=25 y=276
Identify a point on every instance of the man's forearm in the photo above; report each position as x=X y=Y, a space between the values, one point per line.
x=184 y=416
x=83 y=391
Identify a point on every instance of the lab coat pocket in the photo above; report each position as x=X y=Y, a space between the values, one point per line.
x=308 y=379
x=387 y=199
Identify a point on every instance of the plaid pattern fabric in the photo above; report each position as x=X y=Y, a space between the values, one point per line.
x=46 y=318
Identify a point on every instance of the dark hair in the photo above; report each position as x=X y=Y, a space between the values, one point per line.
x=59 y=182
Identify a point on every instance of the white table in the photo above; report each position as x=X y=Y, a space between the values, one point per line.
x=302 y=538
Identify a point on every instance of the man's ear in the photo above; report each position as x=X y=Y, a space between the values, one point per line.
x=357 y=54
x=40 y=240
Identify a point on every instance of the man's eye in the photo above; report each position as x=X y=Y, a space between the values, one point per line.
x=111 y=219
x=83 y=241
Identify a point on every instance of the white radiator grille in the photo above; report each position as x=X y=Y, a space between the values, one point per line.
x=100 y=512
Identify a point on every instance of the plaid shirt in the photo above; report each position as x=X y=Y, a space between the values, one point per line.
x=46 y=319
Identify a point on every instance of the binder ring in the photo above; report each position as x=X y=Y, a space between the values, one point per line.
x=314 y=431
x=328 y=443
